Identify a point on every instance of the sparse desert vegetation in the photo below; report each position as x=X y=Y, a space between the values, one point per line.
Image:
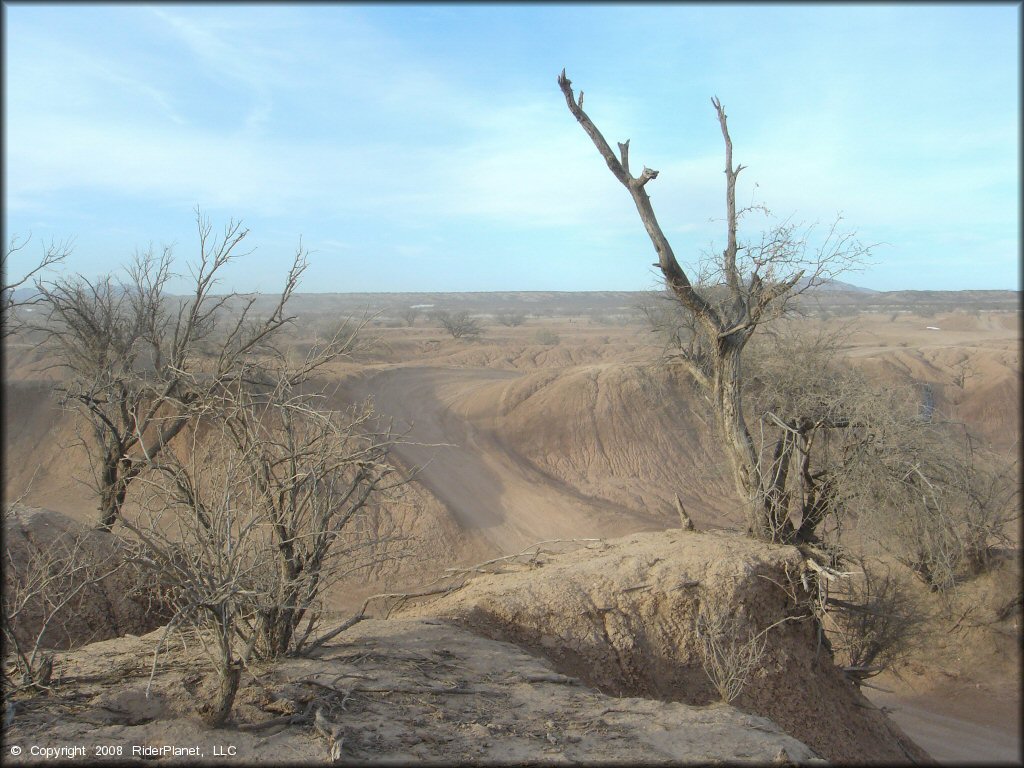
x=726 y=511
x=537 y=413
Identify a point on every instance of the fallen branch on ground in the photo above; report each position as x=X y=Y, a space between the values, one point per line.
x=450 y=574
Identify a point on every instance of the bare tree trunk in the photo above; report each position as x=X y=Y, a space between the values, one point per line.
x=221 y=707
x=767 y=517
x=229 y=673
x=112 y=494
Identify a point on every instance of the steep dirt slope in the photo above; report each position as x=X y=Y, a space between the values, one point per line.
x=626 y=433
x=977 y=385
x=115 y=600
x=43 y=457
x=449 y=414
x=622 y=619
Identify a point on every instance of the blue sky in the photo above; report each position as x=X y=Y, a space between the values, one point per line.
x=428 y=147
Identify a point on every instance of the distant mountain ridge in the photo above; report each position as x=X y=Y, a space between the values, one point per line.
x=836 y=285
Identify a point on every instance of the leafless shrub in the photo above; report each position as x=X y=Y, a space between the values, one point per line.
x=937 y=502
x=461 y=325
x=39 y=596
x=730 y=651
x=261 y=514
x=875 y=621
x=547 y=337
x=511 y=319
x=137 y=358
x=409 y=315
x=963 y=371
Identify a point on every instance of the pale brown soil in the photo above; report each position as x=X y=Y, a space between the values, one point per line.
x=587 y=437
x=620 y=615
x=398 y=691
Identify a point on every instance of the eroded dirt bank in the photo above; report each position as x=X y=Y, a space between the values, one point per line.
x=621 y=616
x=488 y=487
x=396 y=691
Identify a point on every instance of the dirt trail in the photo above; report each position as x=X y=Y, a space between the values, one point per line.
x=485 y=486
x=491 y=490
x=958 y=726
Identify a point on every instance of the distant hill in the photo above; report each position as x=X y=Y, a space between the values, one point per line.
x=834 y=293
x=621 y=303
x=837 y=286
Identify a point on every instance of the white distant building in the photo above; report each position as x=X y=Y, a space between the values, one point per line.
x=932 y=328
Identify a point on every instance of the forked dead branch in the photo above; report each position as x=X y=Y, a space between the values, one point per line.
x=750 y=284
x=827 y=444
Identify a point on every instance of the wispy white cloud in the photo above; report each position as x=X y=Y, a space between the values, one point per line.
x=340 y=114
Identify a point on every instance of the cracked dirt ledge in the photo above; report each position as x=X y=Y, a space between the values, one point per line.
x=399 y=690
x=585 y=656
x=620 y=615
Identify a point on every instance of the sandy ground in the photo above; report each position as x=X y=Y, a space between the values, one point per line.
x=396 y=692
x=504 y=490
x=487 y=488
x=959 y=725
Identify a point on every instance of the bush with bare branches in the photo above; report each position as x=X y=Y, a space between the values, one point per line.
x=511 y=319
x=874 y=621
x=730 y=652
x=939 y=504
x=137 y=358
x=42 y=589
x=461 y=325
x=258 y=515
x=547 y=337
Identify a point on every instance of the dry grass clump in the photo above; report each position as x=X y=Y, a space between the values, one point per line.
x=730 y=650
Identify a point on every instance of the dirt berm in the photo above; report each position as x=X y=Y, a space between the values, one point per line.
x=620 y=616
x=46 y=554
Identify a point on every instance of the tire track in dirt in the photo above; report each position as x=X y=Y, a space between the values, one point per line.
x=487 y=487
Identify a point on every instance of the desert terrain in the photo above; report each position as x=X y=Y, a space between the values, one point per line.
x=568 y=428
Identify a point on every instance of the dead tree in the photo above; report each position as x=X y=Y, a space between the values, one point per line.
x=53 y=254
x=137 y=358
x=259 y=512
x=748 y=285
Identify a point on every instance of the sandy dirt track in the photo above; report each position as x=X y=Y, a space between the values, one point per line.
x=957 y=727
x=485 y=486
